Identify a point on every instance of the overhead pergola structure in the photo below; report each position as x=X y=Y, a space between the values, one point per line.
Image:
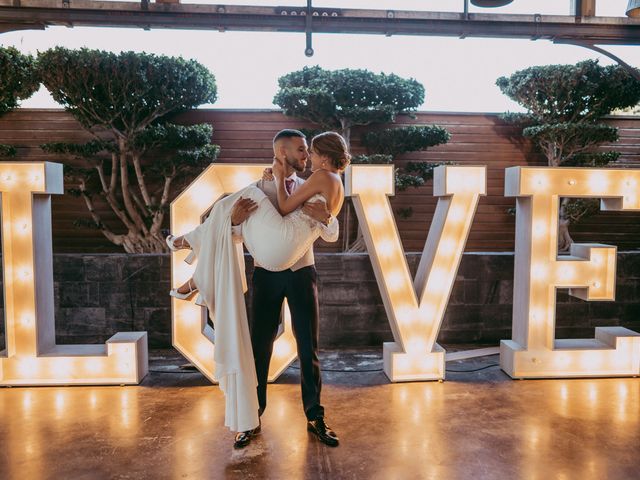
x=582 y=27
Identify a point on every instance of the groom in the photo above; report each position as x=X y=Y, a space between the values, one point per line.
x=298 y=285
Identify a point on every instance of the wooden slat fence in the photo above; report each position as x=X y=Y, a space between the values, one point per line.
x=245 y=136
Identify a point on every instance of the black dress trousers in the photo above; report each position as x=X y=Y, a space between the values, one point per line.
x=301 y=291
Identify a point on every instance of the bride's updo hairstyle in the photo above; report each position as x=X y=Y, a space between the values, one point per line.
x=333 y=146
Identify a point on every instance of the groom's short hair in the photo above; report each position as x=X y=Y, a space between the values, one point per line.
x=288 y=133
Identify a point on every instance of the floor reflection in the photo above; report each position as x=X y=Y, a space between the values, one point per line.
x=472 y=426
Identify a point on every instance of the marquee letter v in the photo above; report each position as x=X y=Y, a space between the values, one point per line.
x=415 y=311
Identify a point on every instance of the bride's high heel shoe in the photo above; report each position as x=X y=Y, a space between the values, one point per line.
x=171 y=242
x=187 y=295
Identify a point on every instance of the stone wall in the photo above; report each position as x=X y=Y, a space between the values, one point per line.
x=98 y=295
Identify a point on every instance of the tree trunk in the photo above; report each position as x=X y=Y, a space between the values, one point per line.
x=564 y=239
x=135 y=243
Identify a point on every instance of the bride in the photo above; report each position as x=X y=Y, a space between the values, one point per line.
x=276 y=239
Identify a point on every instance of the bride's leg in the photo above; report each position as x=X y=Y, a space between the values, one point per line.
x=187 y=287
x=177 y=243
x=181 y=242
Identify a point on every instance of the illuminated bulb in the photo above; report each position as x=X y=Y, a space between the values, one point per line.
x=92 y=365
x=438 y=280
x=385 y=248
x=631 y=199
x=24 y=274
x=456 y=214
x=404 y=315
x=402 y=364
x=562 y=360
x=566 y=272
x=416 y=346
x=281 y=349
x=188 y=318
x=426 y=363
x=539 y=272
x=376 y=214
x=540 y=228
x=379 y=181
x=124 y=367
x=465 y=182
x=181 y=273
x=61 y=366
x=539 y=182
x=201 y=197
x=427 y=311
x=34 y=177
x=241 y=180
x=590 y=361
x=184 y=225
x=537 y=315
x=598 y=183
x=203 y=349
x=27 y=320
x=395 y=280
x=22 y=227
x=27 y=367
x=447 y=246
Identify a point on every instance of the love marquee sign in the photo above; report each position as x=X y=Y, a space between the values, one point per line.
x=32 y=356
x=415 y=307
x=416 y=311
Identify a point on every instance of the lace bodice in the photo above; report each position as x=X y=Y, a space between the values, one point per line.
x=276 y=242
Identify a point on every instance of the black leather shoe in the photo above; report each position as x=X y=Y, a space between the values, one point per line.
x=323 y=432
x=244 y=438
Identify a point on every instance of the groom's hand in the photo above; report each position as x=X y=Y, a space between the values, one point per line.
x=267 y=175
x=241 y=210
x=318 y=211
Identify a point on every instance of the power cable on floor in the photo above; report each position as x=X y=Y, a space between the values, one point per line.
x=473 y=370
x=341 y=371
x=332 y=370
x=181 y=372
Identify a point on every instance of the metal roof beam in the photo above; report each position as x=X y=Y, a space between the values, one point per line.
x=45 y=13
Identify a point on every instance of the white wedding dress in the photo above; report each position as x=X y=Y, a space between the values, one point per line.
x=276 y=243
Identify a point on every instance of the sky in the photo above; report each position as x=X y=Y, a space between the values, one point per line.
x=458 y=74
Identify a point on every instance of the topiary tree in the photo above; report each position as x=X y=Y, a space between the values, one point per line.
x=383 y=146
x=18 y=81
x=565 y=104
x=395 y=141
x=124 y=101
x=342 y=99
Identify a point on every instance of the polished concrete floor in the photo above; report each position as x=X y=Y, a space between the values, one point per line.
x=476 y=425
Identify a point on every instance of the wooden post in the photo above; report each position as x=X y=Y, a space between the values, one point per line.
x=583 y=8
